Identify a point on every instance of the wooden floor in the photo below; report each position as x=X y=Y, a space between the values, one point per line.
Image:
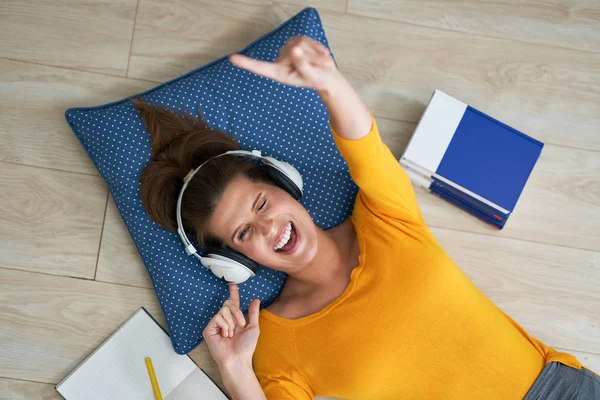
x=69 y=273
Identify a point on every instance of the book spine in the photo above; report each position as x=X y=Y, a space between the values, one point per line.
x=509 y=128
x=468 y=203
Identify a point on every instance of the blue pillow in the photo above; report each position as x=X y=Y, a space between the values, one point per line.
x=288 y=123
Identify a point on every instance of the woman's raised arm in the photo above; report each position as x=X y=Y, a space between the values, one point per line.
x=307 y=63
x=349 y=116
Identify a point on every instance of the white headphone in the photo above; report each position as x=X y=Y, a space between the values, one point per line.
x=229 y=265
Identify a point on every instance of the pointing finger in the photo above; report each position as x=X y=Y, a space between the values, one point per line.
x=234 y=295
x=263 y=68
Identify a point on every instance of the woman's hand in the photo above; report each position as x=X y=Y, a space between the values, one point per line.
x=302 y=62
x=229 y=338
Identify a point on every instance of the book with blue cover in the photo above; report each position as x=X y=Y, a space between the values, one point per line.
x=470 y=158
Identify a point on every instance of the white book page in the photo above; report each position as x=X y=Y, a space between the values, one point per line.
x=197 y=386
x=117 y=369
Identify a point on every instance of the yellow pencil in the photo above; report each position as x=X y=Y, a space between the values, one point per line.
x=153 y=379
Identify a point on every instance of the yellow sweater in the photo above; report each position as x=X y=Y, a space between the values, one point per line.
x=410 y=325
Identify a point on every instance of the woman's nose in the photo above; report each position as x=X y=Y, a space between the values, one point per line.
x=266 y=226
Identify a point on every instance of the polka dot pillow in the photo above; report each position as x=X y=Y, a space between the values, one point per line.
x=288 y=123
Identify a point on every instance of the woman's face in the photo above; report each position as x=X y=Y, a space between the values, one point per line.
x=266 y=224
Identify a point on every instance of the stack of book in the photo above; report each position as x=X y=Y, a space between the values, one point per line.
x=470 y=159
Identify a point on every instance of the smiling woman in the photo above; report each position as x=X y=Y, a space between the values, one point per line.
x=230 y=202
x=379 y=284
x=258 y=218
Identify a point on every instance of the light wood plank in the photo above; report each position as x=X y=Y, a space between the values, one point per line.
x=50 y=221
x=334 y=5
x=550 y=290
x=173 y=37
x=93 y=35
x=119 y=260
x=573 y=24
x=12 y=389
x=33 y=130
x=52 y=323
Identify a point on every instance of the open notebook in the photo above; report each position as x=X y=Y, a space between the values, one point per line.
x=116 y=369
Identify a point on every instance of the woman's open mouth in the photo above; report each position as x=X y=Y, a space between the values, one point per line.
x=288 y=240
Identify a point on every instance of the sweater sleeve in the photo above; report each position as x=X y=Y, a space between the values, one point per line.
x=384 y=187
x=284 y=389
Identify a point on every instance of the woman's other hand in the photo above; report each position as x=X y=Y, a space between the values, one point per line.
x=302 y=62
x=229 y=338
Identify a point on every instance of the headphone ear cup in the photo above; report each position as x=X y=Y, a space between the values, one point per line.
x=234 y=256
x=283 y=181
x=284 y=175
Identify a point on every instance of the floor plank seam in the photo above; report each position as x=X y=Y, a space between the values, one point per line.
x=74 y=277
x=396 y=119
x=101 y=233
x=78 y=70
x=124 y=284
x=349 y=12
x=51 y=169
x=514 y=238
x=569 y=146
x=2 y=267
x=137 y=7
x=27 y=380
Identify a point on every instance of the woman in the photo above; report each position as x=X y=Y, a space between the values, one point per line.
x=371 y=309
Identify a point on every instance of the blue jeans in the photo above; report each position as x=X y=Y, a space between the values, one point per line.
x=561 y=382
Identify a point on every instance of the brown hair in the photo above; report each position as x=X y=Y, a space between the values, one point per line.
x=180 y=143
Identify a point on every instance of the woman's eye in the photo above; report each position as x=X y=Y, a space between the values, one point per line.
x=242 y=234
x=262 y=205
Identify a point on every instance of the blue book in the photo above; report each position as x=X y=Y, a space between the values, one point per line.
x=470 y=159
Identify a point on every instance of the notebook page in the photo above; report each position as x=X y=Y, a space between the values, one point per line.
x=197 y=386
x=116 y=370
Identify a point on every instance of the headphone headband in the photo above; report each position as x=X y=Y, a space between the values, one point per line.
x=189 y=248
